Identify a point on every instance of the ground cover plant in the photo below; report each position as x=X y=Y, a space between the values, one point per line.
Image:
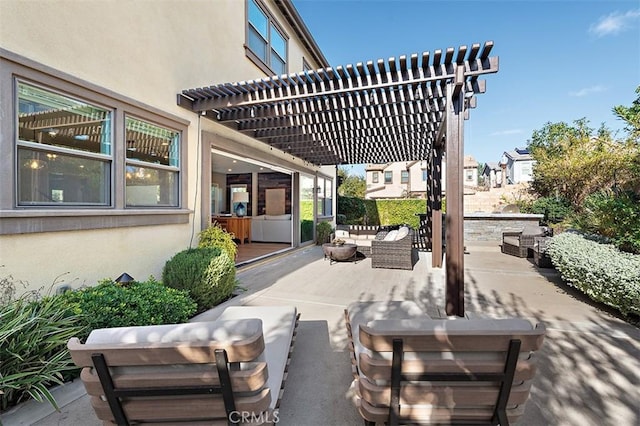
x=599 y=270
x=208 y=274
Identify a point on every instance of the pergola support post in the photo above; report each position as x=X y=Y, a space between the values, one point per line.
x=436 y=207
x=454 y=301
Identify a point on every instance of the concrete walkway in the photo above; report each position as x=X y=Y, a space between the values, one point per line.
x=589 y=368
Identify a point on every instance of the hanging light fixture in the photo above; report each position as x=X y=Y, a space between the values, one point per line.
x=35 y=164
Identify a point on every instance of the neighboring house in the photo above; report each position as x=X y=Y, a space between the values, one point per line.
x=519 y=165
x=102 y=171
x=409 y=179
x=396 y=180
x=492 y=173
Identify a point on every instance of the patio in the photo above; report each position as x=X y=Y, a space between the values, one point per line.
x=589 y=370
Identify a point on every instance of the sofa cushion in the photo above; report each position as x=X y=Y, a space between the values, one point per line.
x=391 y=236
x=514 y=241
x=277 y=217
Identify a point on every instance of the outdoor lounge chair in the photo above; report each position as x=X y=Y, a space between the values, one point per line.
x=228 y=371
x=440 y=371
x=520 y=243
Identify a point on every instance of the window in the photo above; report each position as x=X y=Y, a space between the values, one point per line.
x=73 y=147
x=305 y=65
x=424 y=175
x=374 y=177
x=470 y=174
x=404 y=176
x=388 y=177
x=152 y=167
x=325 y=197
x=267 y=44
x=64 y=150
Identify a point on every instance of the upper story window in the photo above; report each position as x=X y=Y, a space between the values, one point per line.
x=404 y=176
x=152 y=166
x=374 y=177
x=424 y=175
x=388 y=177
x=64 y=150
x=267 y=43
x=306 y=66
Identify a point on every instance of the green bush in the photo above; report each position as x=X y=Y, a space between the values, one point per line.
x=396 y=212
x=599 y=270
x=555 y=210
x=110 y=304
x=208 y=274
x=615 y=216
x=323 y=232
x=215 y=236
x=306 y=230
x=341 y=219
x=33 y=352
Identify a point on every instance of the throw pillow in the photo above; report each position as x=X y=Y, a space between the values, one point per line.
x=340 y=233
x=402 y=232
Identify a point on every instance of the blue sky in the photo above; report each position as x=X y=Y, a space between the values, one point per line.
x=559 y=60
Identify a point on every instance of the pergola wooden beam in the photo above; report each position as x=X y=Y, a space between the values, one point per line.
x=403 y=109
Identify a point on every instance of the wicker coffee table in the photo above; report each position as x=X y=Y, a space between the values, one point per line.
x=338 y=253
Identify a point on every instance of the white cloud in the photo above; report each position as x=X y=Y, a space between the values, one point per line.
x=506 y=132
x=614 y=23
x=587 y=91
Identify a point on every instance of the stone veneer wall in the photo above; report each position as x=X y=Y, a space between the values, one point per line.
x=490 y=226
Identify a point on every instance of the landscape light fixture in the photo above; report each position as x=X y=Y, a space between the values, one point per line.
x=124 y=278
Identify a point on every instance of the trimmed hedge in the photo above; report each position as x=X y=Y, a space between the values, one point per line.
x=601 y=271
x=208 y=274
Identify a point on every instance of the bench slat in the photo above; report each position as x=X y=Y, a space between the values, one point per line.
x=443 y=394
x=429 y=415
x=174 y=408
x=439 y=340
x=380 y=369
x=249 y=380
x=200 y=352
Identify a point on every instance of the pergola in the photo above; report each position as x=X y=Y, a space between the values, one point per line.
x=405 y=109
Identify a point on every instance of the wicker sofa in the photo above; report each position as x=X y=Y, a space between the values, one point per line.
x=520 y=243
x=394 y=249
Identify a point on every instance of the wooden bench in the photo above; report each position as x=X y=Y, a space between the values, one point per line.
x=427 y=371
x=214 y=372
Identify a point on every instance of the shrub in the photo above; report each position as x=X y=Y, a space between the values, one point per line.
x=215 y=236
x=599 y=270
x=323 y=232
x=138 y=303
x=208 y=274
x=341 y=219
x=555 y=210
x=615 y=216
x=33 y=353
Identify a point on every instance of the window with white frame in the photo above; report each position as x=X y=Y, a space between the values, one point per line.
x=64 y=149
x=388 y=177
x=152 y=166
x=424 y=175
x=374 y=177
x=404 y=176
x=265 y=39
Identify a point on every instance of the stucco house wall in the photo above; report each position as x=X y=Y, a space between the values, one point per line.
x=138 y=55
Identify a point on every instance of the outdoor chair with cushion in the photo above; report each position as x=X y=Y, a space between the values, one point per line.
x=212 y=372
x=417 y=370
x=394 y=249
x=520 y=243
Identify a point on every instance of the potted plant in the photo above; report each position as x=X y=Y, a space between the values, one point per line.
x=323 y=232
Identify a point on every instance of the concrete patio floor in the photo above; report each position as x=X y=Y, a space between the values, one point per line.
x=589 y=367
